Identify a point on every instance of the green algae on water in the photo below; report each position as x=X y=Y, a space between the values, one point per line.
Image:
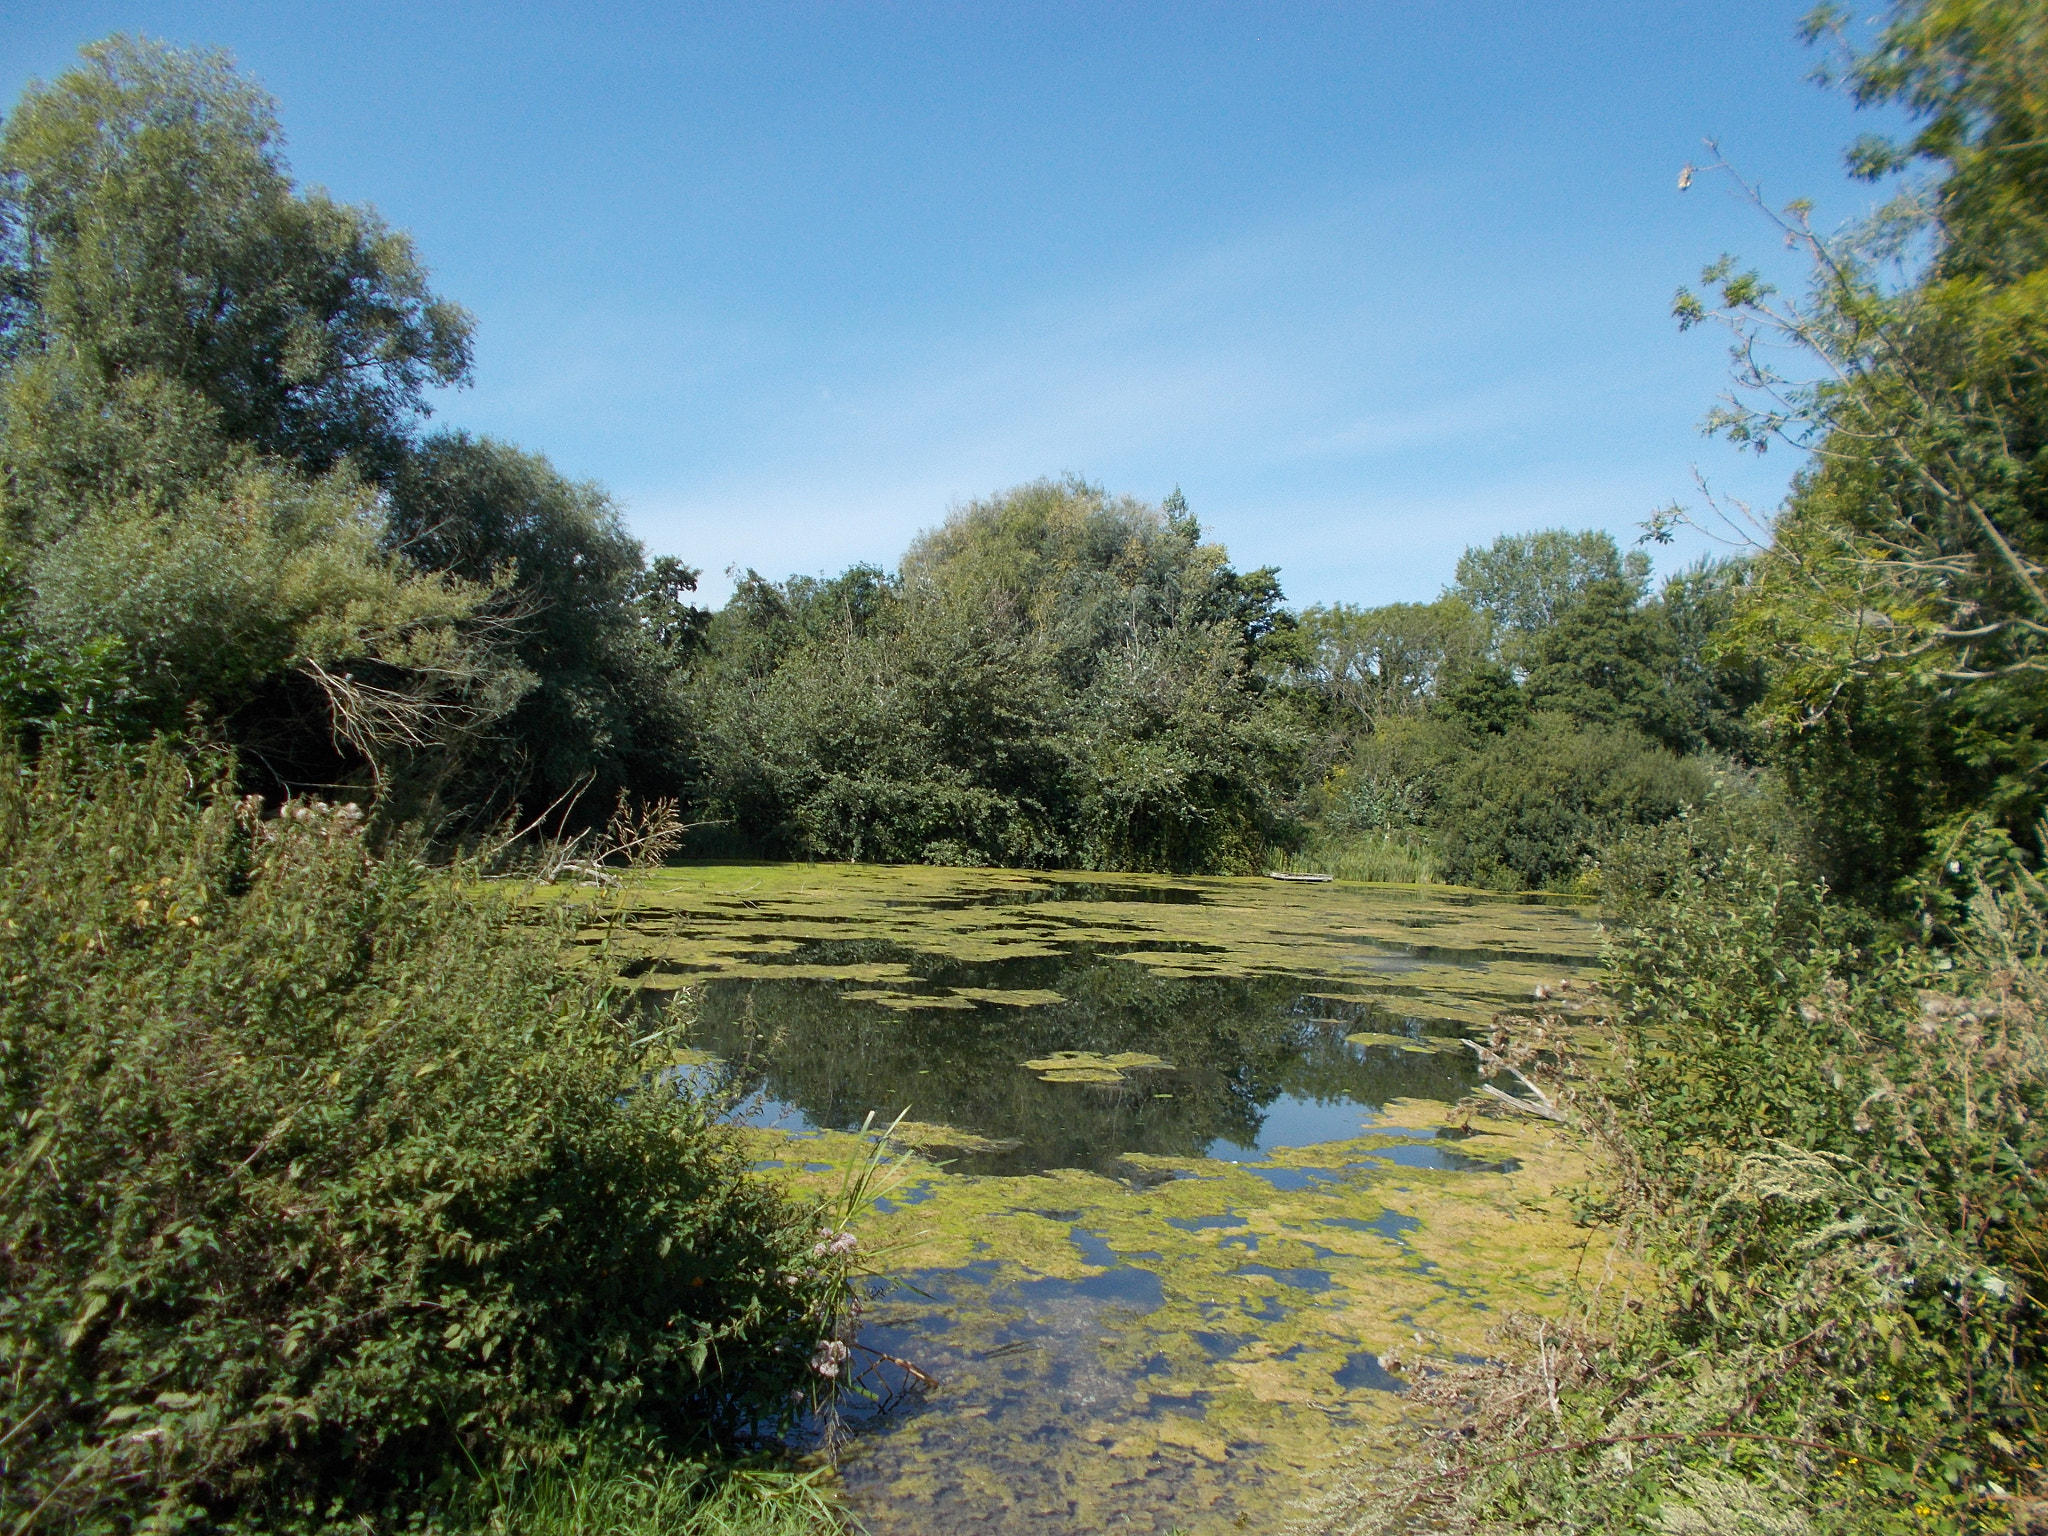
x=1128 y=1333
x=1187 y=1354
x=1087 y=1067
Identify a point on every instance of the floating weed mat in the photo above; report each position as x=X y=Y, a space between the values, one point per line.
x=1087 y=1067
x=946 y=1138
x=906 y=1002
x=1454 y=957
x=1010 y=997
x=1198 y=1349
x=1421 y=1045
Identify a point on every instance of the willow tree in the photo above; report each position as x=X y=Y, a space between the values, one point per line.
x=153 y=229
x=204 y=372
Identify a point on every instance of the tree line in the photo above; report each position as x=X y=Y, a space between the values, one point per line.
x=227 y=516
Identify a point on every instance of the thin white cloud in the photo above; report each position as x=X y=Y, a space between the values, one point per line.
x=1332 y=428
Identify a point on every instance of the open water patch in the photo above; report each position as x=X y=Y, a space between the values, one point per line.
x=1362 y=1371
x=1295 y=1180
x=1391 y=1225
x=1295 y=1277
x=1233 y=1067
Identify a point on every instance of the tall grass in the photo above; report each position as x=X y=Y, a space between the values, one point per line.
x=615 y=1492
x=1383 y=857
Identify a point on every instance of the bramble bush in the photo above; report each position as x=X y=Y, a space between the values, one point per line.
x=323 y=1179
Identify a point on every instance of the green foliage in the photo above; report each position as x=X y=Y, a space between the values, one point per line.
x=152 y=230
x=1375 y=662
x=1505 y=733
x=199 y=362
x=1604 y=661
x=1482 y=696
x=210 y=383
x=1970 y=72
x=600 y=709
x=1524 y=808
x=922 y=738
x=1392 y=857
x=1710 y=695
x=1828 y=1123
x=43 y=687
x=1837 y=1150
x=323 y=1174
x=1899 y=605
x=1524 y=582
x=271 y=608
x=1534 y=806
x=1178 y=768
x=1085 y=570
x=1723 y=936
x=1056 y=678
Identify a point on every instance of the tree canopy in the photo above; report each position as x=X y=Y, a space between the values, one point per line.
x=218 y=504
x=152 y=228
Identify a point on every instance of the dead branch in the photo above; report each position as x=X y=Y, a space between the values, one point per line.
x=1538 y=1103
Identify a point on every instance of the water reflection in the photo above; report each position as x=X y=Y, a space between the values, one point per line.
x=1180 y=1348
x=1254 y=1063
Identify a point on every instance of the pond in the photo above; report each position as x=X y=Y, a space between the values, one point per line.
x=1192 y=1189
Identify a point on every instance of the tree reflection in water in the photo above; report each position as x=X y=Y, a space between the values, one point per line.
x=1254 y=1062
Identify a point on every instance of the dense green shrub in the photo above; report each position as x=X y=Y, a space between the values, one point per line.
x=1531 y=807
x=1055 y=678
x=1833 y=1144
x=1527 y=807
x=321 y=1176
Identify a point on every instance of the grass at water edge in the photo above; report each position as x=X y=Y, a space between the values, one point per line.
x=616 y=1493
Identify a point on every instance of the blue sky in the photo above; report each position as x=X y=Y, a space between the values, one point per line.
x=1369 y=282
